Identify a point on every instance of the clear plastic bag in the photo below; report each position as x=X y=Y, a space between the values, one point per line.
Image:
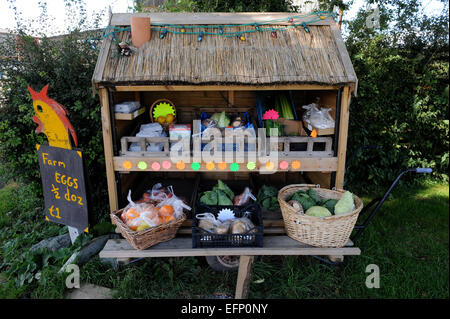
x=244 y=198
x=207 y=221
x=242 y=225
x=172 y=205
x=317 y=117
x=157 y=193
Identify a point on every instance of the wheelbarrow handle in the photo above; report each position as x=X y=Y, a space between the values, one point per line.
x=424 y=170
x=362 y=227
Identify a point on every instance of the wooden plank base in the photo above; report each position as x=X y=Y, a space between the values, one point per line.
x=182 y=247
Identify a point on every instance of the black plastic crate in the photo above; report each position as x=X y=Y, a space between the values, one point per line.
x=253 y=238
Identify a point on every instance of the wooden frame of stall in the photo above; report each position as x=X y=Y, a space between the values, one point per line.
x=327 y=171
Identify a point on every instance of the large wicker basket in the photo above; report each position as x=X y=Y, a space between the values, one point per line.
x=148 y=237
x=333 y=231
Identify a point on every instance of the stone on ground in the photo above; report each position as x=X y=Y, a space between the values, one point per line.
x=53 y=243
x=89 y=291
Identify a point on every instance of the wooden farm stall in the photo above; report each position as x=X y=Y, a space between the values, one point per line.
x=307 y=62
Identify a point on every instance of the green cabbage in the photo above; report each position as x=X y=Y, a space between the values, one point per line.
x=224 y=188
x=304 y=200
x=221 y=119
x=345 y=205
x=313 y=194
x=209 y=198
x=318 y=211
x=267 y=198
x=329 y=204
x=222 y=199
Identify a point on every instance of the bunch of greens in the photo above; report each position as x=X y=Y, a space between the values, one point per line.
x=220 y=195
x=310 y=198
x=267 y=198
x=272 y=124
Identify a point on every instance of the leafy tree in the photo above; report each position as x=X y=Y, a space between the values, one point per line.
x=220 y=6
x=402 y=101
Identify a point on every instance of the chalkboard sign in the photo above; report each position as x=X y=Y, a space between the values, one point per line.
x=64 y=187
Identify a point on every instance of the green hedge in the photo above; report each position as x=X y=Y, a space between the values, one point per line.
x=402 y=106
x=67 y=64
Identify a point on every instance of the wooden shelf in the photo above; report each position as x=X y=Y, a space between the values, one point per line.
x=146 y=164
x=129 y=116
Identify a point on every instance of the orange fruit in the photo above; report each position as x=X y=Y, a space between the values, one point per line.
x=161 y=119
x=159 y=220
x=170 y=118
x=168 y=219
x=131 y=213
x=133 y=228
x=166 y=210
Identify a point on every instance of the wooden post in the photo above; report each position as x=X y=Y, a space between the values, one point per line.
x=108 y=145
x=231 y=98
x=244 y=276
x=343 y=133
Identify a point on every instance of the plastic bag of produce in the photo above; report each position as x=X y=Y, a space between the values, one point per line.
x=244 y=198
x=207 y=221
x=241 y=225
x=221 y=119
x=127 y=107
x=157 y=193
x=317 y=117
x=172 y=206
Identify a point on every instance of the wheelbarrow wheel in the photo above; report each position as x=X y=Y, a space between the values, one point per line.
x=224 y=263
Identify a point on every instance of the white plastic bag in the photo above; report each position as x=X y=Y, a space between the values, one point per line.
x=207 y=221
x=244 y=198
x=149 y=130
x=317 y=117
x=127 y=107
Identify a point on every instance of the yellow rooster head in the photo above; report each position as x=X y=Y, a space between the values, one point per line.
x=52 y=120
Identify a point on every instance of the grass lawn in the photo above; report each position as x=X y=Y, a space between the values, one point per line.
x=408 y=241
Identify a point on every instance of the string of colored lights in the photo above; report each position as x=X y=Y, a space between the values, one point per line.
x=259 y=27
x=210 y=166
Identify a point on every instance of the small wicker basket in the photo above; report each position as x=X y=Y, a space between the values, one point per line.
x=333 y=231
x=148 y=237
x=165 y=125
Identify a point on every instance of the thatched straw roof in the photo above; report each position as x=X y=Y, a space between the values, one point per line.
x=294 y=57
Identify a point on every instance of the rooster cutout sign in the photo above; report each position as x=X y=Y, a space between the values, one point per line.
x=61 y=167
x=52 y=120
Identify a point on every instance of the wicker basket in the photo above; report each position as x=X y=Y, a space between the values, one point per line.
x=333 y=231
x=148 y=237
x=165 y=125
